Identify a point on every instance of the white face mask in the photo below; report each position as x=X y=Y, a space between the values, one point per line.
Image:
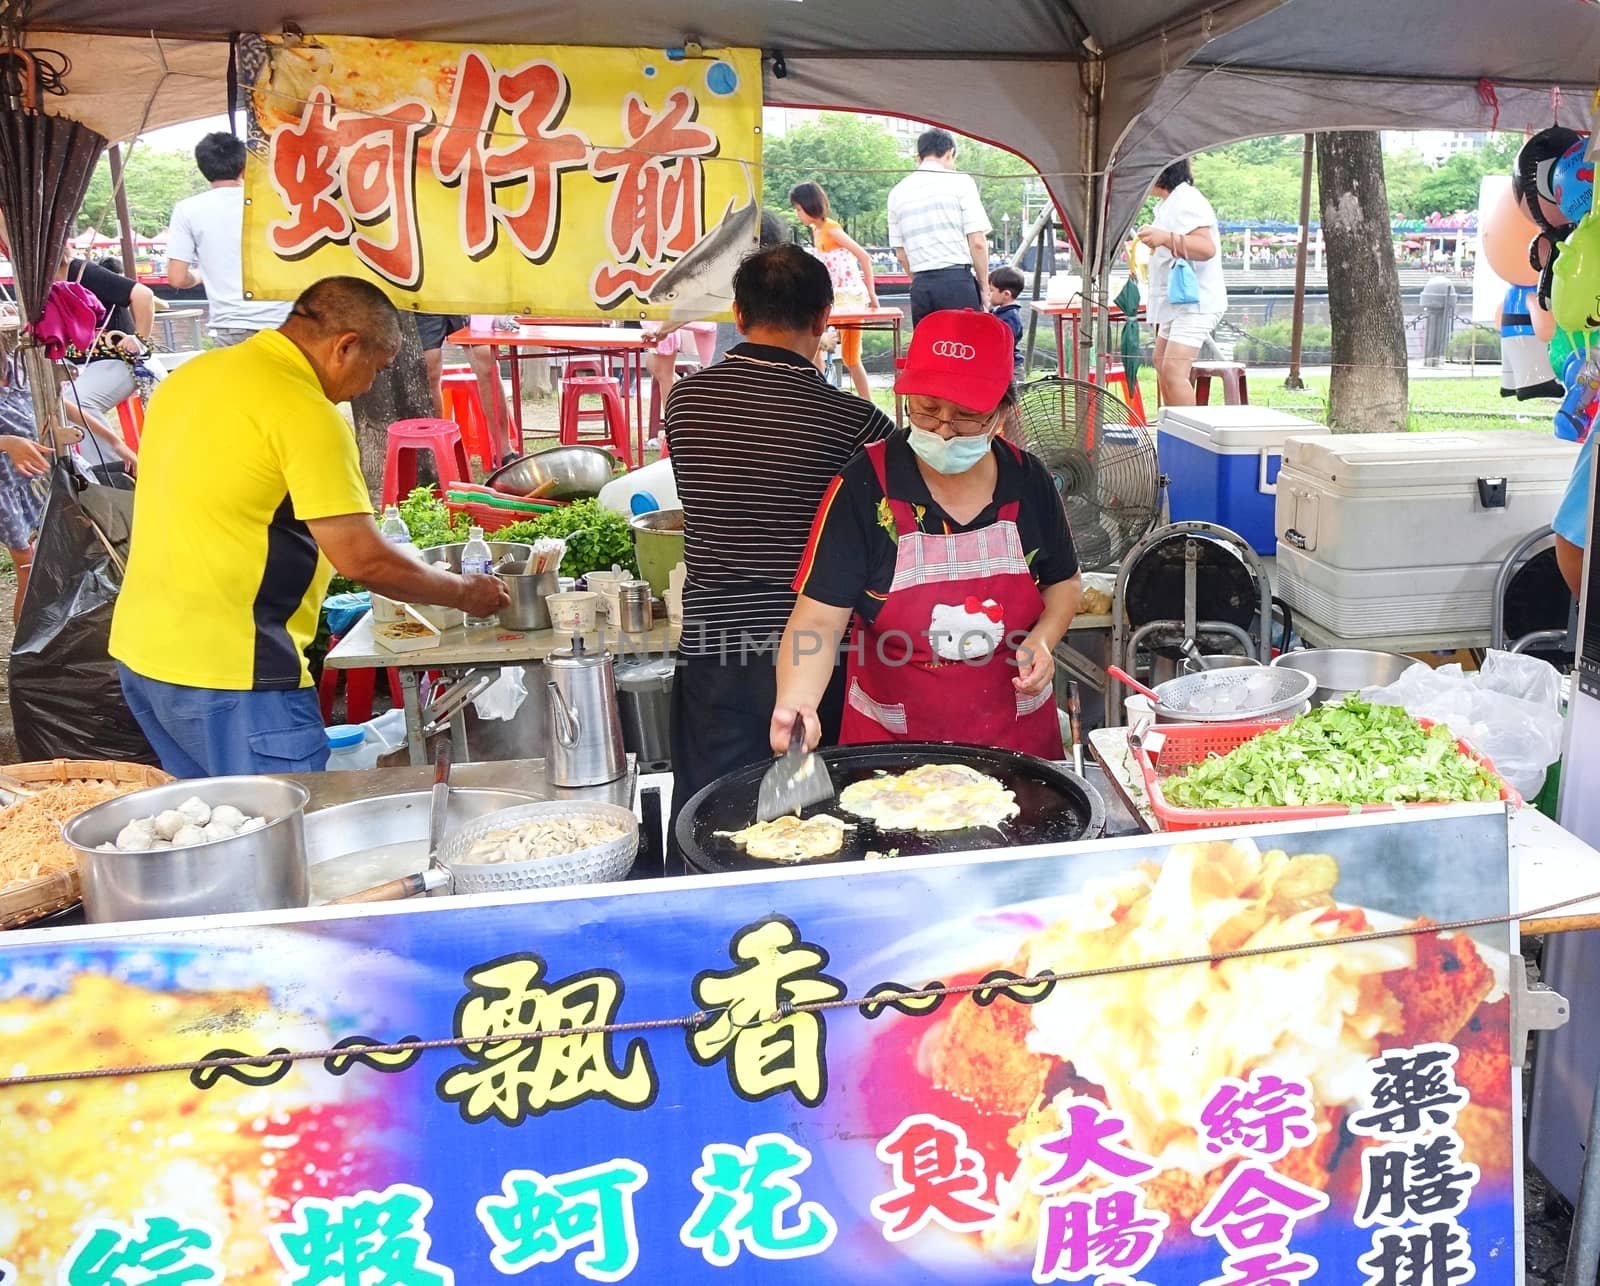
x=950 y=455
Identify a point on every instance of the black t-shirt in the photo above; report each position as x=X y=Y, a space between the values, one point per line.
x=850 y=560
x=112 y=289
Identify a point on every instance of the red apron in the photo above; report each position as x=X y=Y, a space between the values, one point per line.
x=937 y=662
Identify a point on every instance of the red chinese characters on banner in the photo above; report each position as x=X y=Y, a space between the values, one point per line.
x=531 y=154
x=368 y=160
x=655 y=209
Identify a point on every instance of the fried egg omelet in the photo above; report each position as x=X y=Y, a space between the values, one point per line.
x=934 y=797
x=791 y=839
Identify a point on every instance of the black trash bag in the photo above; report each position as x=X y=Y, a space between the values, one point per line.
x=66 y=700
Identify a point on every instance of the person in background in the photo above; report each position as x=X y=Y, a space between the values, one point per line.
x=1185 y=227
x=950 y=547
x=1005 y=286
x=110 y=372
x=22 y=459
x=1571 y=522
x=432 y=328
x=754 y=441
x=227 y=567
x=849 y=268
x=939 y=231
x=204 y=243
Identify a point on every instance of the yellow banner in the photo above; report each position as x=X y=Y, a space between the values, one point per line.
x=548 y=180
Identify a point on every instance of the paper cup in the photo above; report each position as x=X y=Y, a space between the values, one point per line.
x=573 y=612
x=608 y=585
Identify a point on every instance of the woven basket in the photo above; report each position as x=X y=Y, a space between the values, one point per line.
x=31 y=900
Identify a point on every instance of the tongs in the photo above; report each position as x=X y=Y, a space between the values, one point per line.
x=796 y=780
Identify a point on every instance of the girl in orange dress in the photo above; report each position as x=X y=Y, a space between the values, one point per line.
x=848 y=265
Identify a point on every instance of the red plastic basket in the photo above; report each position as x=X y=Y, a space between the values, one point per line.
x=1187 y=744
x=491 y=518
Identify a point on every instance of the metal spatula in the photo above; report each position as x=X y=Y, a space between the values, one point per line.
x=796 y=780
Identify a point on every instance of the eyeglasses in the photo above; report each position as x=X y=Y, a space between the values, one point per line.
x=926 y=416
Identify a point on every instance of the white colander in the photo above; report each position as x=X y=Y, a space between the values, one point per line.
x=594 y=865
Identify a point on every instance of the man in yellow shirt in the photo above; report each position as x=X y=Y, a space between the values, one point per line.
x=250 y=496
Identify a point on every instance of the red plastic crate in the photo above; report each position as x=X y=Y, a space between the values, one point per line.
x=1190 y=743
x=492 y=519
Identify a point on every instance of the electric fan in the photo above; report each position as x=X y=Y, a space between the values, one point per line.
x=1103 y=461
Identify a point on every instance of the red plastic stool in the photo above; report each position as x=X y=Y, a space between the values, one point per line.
x=358 y=689
x=680 y=369
x=574 y=390
x=1117 y=382
x=463 y=403
x=130 y=414
x=1235 y=384
x=406 y=438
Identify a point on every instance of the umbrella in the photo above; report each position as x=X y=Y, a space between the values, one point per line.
x=1128 y=300
x=45 y=166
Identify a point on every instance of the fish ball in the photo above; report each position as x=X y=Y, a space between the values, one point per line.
x=190 y=834
x=218 y=830
x=227 y=815
x=252 y=824
x=196 y=810
x=136 y=836
x=169 y=823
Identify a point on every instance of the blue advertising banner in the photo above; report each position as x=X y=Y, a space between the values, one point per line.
x=969 y=1069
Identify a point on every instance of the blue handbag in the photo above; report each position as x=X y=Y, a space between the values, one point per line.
x=1183 y=287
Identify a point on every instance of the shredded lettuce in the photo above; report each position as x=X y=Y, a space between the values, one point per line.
x=1352 y=753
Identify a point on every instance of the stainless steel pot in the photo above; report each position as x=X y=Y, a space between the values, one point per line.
x=1339 y=671
x=355 y=846
x=644 y=699
x=499 y=552
x=578 y=471
x=262 y=871
x=527 y=609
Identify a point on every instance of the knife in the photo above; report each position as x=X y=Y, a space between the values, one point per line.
x=796 y=780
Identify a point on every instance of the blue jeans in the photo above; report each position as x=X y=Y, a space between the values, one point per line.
x=204 y=732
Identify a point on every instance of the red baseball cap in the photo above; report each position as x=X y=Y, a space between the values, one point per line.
x=961 y=355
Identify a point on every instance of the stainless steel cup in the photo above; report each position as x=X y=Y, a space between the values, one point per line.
x=527 y=609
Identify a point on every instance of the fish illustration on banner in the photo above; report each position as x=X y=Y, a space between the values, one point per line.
x=558 y=180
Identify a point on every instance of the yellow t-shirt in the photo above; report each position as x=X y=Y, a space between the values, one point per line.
x=224 y=585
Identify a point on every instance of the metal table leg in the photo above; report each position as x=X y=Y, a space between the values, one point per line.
x=416 y=747
x=1583 y=1250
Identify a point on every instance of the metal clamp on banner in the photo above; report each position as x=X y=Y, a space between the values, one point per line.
x=1534 y=1007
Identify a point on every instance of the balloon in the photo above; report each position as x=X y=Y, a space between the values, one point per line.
x=1572 y=181
x=1562 y=346
x=1544 y=325
x=1505 y=231
x=1575 y=278
x=1534 y=166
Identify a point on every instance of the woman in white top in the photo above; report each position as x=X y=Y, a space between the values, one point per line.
x=1185 y=227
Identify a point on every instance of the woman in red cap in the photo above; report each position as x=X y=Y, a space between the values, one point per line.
x=950 y=546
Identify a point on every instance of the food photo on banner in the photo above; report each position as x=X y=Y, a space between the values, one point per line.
x=949 y=1069
x=564 y=181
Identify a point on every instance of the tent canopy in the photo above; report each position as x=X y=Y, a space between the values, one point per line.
x=1099 y=95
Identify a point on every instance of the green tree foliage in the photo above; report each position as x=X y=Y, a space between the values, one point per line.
x=156 y=181
x=855 y=160
x=1256 y=181
x=1454 y=185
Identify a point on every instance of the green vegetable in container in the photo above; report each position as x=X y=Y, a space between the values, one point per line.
x=429 y=522
x=596 y=538
x=1352 y=753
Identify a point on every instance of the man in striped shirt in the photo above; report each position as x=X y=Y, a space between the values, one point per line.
x=755 y=440
x=939 y=231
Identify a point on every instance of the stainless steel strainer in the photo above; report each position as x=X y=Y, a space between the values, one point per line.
x=1231 y=696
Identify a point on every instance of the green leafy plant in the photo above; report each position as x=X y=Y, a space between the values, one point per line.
x=1352 y=753
x=429 y=522
x=596 y=538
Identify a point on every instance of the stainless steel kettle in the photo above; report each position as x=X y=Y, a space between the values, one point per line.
x=585 y=730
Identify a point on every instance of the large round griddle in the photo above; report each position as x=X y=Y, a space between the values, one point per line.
x=1057 y=807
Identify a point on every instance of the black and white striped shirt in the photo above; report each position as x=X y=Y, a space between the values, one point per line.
x=755 y=441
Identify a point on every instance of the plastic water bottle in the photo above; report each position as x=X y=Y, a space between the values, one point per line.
x=477 y=561
x=393 y=527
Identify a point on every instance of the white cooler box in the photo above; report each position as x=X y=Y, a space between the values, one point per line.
x=1403 y=533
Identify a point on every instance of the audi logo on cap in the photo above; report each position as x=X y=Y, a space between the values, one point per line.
x=949 y=348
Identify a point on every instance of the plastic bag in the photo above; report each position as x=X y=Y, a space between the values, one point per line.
x=1510 y=710
x=66 y=698
x=504 y=697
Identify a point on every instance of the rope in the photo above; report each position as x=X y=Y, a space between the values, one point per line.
x=703 y=1017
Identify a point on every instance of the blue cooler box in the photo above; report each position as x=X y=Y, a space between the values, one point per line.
x=1223 y=463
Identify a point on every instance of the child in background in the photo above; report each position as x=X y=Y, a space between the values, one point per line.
x=1005 y=285
x=848 y=265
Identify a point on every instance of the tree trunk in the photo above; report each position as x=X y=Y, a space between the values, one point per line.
x=1368 y=391
x=399 y=393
